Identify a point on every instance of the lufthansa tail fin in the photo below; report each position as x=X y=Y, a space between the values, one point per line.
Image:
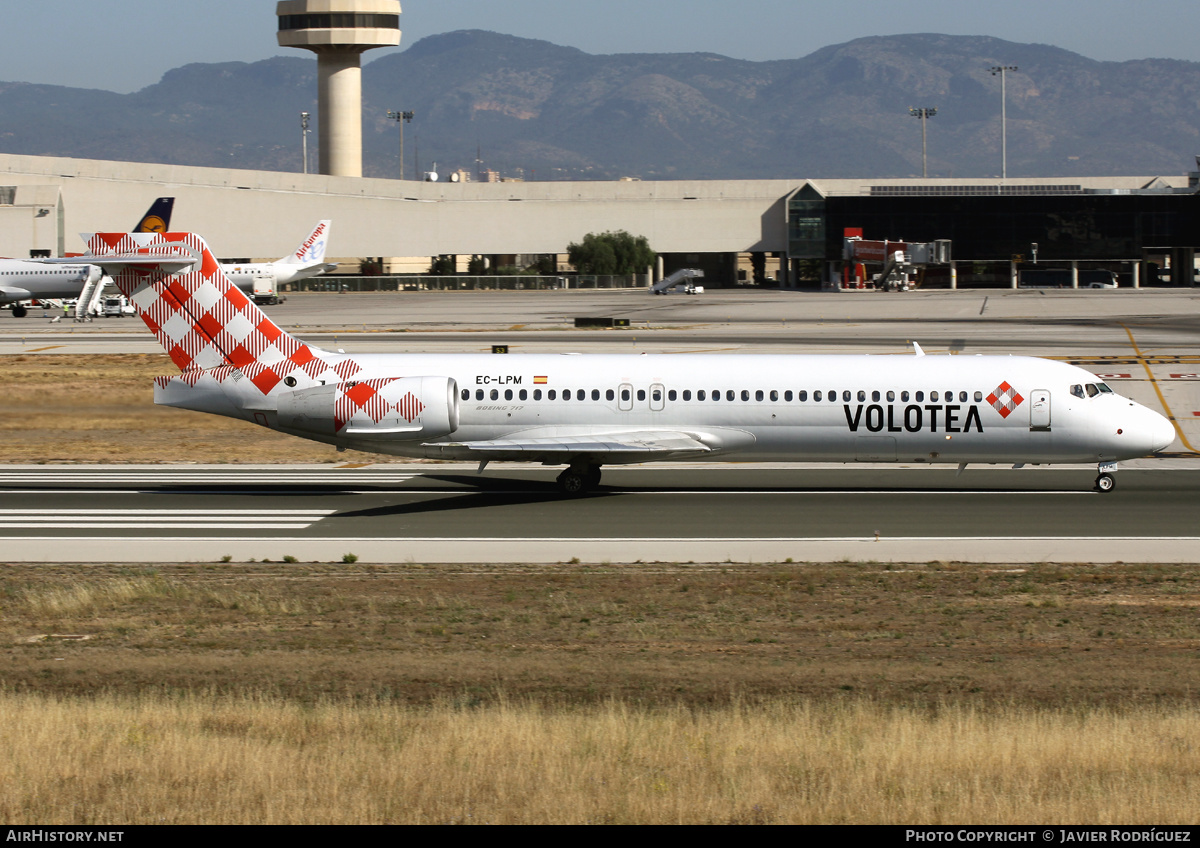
x=312 y=250
x=203 y=321
x=158 y=217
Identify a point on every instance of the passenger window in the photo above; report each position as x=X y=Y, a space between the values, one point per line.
x=962 y=397
x=687 y=394
x=904 y=397
x=875 y=397
x=524 y=395
x=495 y=395
x=641 y=395
x=551 y=395
x=656 y=395
x=745 y=394
x=466 y=394
x=595 y=394
x=919 y=396
x=580 y=394
x=610 y=395
x=716 y=395
x=508 y=394
x=700 y=395
x=625 y=394
x=479 y=394
x=537 y=394
x=817 y=394
x=566 y=394
x=787 y=396
x=845 y=396
x=862 y=396
x=891 y=396
x=978 y=396
x=802 y=396
x=671 y=394
x=729 y=394
x=933 y=396
x=774 y=395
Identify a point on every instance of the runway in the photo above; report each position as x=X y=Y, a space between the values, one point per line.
x=1145 y=343
x=423 y=513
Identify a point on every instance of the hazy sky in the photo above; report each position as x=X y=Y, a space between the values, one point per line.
x=124 y=45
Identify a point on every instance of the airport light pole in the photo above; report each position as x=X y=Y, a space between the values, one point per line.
x=924 y=115
x=401 y=118
x=1002 y=70
x=304 y=131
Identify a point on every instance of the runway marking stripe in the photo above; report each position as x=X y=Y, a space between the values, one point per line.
x=631 y=539
x=177 y=513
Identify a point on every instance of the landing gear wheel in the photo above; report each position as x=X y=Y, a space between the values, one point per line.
x=579 y=480
x=572 y=483
x=19 y=311
x=1105 y=483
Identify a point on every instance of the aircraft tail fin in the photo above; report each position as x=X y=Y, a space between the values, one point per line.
x=204 y=322
x=158 y=217
x=312 y=250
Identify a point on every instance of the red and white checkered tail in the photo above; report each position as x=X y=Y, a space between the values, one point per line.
x=201 y=319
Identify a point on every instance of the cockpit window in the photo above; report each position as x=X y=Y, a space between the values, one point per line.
x=1092 y=390
x=1077 y=390
x=1104 y=388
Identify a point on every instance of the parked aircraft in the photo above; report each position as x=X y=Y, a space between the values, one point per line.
x=590 y=410
x=33 y=280
x=307 y=260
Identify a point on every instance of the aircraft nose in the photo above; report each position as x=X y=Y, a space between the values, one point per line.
x=1162 y=432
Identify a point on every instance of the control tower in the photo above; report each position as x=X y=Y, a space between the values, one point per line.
x=339 y=31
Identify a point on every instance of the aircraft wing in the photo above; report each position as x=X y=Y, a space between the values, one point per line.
x=630 y=446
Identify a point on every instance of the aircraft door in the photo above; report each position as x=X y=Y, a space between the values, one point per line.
x=625 y=397
x=658 y=397
x=1039 y=410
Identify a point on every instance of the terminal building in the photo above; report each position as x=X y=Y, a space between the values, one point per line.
x=789 y=232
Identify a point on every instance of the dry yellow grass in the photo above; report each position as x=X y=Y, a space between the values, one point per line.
x=67 y=408
x=239 y=760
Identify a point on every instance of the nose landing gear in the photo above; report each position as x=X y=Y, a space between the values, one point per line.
x=1105 y=481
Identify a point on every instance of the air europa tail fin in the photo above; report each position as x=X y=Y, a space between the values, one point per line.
x=312 y=250
x=204 y=322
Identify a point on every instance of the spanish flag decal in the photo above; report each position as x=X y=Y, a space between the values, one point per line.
x=539 y=381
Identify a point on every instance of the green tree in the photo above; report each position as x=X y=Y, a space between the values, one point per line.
x=611 y=253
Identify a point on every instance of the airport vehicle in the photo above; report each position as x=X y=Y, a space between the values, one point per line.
x=25 y=280
x=116 y=306
x=680 y=281
x=262 y=280
x=586 y=411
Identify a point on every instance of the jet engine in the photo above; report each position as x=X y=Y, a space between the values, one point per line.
x=387 y=409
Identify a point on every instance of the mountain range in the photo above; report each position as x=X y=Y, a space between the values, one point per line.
x=534 y=110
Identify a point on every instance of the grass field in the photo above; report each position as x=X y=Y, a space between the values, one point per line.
x=835 y=693
x=308 y=692
x=101 y=409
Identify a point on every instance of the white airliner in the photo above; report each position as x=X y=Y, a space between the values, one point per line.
x=590 y=410
x=32 y=280
x=307 y=260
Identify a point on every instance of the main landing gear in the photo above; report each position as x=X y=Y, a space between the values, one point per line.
x=1105 y=481
x=579 y=479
